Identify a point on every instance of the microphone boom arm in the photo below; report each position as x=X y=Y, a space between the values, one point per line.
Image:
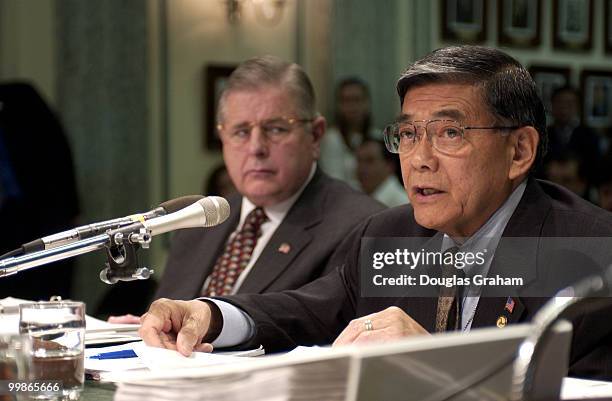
x=14 y=265
x=123 y=243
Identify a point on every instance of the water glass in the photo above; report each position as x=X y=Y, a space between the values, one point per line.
x=14 y=366
x=57 y=332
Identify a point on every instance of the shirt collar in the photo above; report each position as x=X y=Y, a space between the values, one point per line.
x=276 y=213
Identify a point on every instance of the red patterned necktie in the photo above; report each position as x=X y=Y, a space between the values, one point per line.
x=236 y=255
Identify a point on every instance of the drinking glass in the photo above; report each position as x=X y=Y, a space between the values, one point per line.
x=14 y=366
x=57 y=332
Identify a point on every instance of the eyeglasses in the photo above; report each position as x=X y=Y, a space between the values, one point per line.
x=275 y=130
x=446 y=136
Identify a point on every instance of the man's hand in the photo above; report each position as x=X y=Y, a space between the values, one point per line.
x=389 y=324
x=124 y=319
x=177 y=325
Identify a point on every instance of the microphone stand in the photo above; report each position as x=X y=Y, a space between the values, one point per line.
x=122 y=261
x=564 y=302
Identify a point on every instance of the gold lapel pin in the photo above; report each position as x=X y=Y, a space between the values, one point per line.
x=501 y=322
x=284 y=248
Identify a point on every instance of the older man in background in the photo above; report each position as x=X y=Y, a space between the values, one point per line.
x=289 y=216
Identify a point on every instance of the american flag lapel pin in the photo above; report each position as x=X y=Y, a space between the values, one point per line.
x=284 y=248
x=509 y=305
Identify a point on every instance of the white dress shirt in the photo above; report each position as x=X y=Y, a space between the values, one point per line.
x=391 y=193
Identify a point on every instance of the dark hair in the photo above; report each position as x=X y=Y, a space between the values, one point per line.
x=390 y=158
x=384 y=153
x=340 y=120
x=262 y=71
x=508 y=90
x=212 y=182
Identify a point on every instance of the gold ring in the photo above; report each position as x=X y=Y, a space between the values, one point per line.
x=368 y=325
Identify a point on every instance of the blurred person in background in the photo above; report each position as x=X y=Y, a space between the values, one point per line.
x=38 y=191
x=353 y=125
x=567 y=169
x=219 y=182
x=377 y=173
x=567 y=134
x=604 y=184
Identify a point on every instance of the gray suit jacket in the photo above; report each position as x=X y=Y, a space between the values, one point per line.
x=319 y=220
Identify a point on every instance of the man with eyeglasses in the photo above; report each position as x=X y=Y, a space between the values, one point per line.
x=471 y=129
x=289 y=216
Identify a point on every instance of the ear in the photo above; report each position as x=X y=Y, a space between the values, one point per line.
x=318 y=130
x=524 y=151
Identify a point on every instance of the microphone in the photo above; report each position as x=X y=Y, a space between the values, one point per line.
x=91 y=230
x=206 y=212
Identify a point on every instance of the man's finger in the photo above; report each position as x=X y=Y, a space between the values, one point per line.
x=204 y=347
x=350 y=333
x=150 y=330
x=124 y=319
x=190 y=335
x=168 y=341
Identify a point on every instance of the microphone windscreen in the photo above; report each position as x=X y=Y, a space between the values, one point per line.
x=216 y=209
x=176 y=204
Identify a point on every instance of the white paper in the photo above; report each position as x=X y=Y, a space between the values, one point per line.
x=161 y=359
x=580 y=389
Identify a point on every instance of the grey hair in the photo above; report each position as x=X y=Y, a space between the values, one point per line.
x=259 y=72
x=508 y=90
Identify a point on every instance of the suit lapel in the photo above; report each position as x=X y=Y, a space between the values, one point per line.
x=423 y=309
x=527 y=222
x=289 y=239
x=498 y=312
x=211 y=246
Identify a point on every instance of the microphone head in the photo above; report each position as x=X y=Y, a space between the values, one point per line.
x=176 y=204
x=216 y=210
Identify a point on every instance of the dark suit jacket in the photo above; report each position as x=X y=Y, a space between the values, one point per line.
x=319 y=311
x=323 y=215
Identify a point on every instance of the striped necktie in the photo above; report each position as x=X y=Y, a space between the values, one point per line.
x=448 y=313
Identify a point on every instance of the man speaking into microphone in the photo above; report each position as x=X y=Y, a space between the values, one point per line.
x=471 y=129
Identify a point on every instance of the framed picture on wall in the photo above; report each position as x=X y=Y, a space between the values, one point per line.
x=464 y=20
x=547 y=80
x=572 y=24
x=518 y=22
x=607 y=27
x=596 y=86
x=215 y=78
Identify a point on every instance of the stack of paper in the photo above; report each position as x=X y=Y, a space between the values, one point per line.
x=286 y=377
x=100 y=332
x=477 y=365
x=148 y=359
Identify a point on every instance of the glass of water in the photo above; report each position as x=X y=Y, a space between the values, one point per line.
x=14 y=366
x=57 y=333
